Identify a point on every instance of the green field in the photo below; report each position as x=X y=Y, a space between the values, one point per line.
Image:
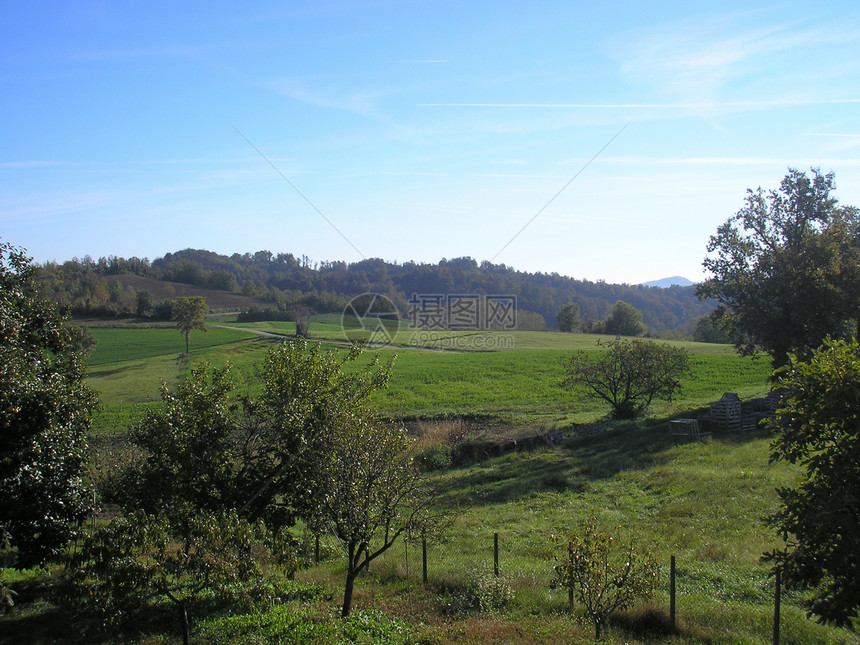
x=700 y=501
x=519 y=383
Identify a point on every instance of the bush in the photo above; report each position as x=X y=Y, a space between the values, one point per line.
x=436 y=457
x=485 y=593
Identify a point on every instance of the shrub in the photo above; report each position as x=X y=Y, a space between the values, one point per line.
x=604 y=577
x=485 y=593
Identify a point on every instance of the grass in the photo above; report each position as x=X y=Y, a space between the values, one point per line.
x=127 y=344
x=523 y=384
x=701 y=501
x=645 y=485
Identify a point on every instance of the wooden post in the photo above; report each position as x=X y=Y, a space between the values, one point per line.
x=570 y=584
x=424 y=559
x=317 y=551
x=496 y=554
x=776 y=610
x=672 y=593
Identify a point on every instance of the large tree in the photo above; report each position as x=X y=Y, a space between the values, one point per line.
x=186 y=450
x=307 y=392
x=45 y=412
x=784 y=270
x=818 y=427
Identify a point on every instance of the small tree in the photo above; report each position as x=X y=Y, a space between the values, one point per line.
x=708 y=330
x=369 y=493
x=144 y=303
x=629 y=374
x=302 y=315
x=605 y=575
x=819 y=517
x=568 y=318
x=190 y=314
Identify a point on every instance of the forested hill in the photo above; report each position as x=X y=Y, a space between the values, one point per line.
x=286 y=280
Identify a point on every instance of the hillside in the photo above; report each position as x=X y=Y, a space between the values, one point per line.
x=217 y=299
x=283 y=281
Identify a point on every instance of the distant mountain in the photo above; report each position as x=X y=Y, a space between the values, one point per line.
x=665 y=283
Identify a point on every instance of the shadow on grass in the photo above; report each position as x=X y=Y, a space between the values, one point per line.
x=35 y=619
x=623 y=446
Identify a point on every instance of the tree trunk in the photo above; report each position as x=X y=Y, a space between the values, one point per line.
x=184 y=617
x=347 y=592
x=187 y=342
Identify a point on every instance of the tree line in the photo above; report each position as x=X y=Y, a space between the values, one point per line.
x=287 y=281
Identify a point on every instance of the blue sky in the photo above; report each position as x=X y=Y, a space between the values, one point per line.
x=417 y=130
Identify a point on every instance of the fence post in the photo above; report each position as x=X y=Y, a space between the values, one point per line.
x=776 y=600
x=672 y=593
x=317 y=550
x=424 y=559
x=570 y=586
x=496 y=554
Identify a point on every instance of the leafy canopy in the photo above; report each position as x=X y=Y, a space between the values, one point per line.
x=818 y=427
x=45 y=411
x=187 y=461
x=207 y=448
x=628 y=374
x=785 y=270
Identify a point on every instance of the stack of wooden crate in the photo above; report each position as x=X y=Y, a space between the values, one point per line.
x=726 y=413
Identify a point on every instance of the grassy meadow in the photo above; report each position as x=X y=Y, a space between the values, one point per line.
x=703 y=502
x=520 y=383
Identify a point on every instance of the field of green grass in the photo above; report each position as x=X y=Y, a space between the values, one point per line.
x=522 y=383
x=703 y=502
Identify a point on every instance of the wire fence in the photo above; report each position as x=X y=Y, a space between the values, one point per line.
x=692 y=596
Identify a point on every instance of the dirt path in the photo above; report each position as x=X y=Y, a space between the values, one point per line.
x=336 y=341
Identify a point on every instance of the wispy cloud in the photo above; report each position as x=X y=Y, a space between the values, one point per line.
x=697 y=59
x=364 y=103
x=831 y=134
x=654 y=106
x=167 y=51
x=650 y=162
x=34 y=163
